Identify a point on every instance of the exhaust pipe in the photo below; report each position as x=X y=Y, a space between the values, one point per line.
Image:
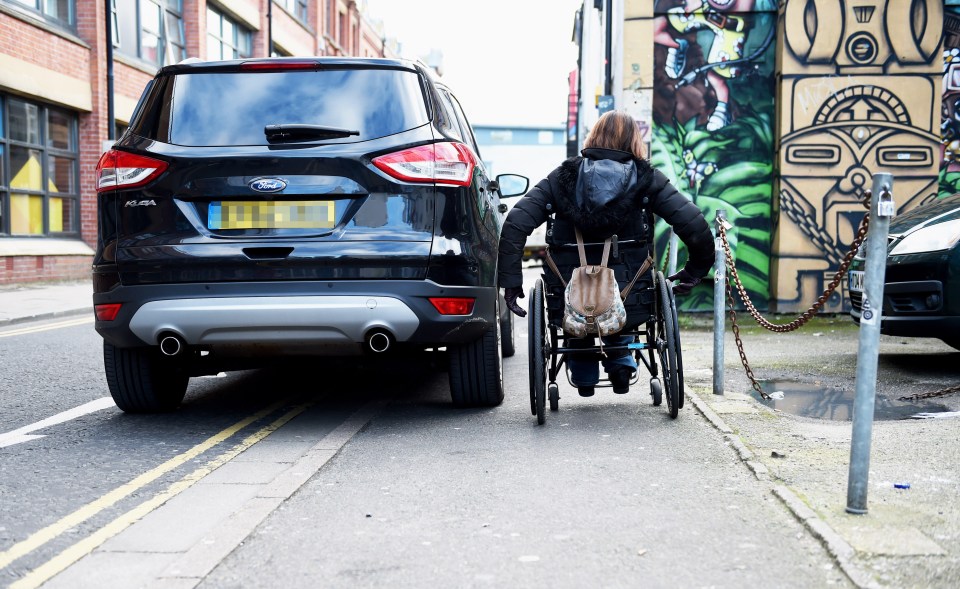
x=379 y=341
x=171 y=345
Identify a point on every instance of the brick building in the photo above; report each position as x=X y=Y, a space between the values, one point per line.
x=54 y=119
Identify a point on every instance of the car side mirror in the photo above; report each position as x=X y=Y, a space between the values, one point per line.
x=512 y=184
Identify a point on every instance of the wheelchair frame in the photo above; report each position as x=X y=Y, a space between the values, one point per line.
x=656 y=345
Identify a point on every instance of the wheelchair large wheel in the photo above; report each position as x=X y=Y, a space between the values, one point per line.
x=537 y=342
x=676 y=337
x=667 y=346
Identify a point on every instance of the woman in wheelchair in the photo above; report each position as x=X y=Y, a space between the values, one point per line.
x=610 y=190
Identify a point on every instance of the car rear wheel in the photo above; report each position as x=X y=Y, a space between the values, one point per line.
x=476 y=370
x=142 y=381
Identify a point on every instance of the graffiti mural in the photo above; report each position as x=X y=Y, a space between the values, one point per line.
x=858 y=87
x=950 y=113
x=713 y=123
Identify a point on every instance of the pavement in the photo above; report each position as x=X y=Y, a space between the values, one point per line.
x=49 y=300
x=910 y=535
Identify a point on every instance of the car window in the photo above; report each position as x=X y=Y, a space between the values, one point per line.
x=446 y=104
x=232 y=108
x=468 y=137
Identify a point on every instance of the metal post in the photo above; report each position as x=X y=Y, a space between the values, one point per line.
x=881 y=209
x=719 y=289
x=269 y=28
x=672 y=255
x=608 y=72
x=111 y=117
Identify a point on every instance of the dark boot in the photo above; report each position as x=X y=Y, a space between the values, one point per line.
x=620 y=379
x=585 y=391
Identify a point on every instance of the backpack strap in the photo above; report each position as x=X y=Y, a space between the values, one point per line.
x=606 y=257
x=583 y=253
x=553 y=266
x=643 y=268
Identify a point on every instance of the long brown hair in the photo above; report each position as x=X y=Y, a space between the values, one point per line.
x=616 y=129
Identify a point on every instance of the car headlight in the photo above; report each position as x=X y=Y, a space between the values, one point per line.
x=932 y=238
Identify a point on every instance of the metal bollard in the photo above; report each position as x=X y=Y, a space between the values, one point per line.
x=719 y=289
x=672 y=256
x=882 y=208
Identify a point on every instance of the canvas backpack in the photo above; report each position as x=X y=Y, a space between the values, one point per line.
x=593 y=302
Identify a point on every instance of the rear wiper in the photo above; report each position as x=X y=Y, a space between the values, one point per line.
x=300 y=132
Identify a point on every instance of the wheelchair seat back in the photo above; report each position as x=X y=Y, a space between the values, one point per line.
x=626 y=259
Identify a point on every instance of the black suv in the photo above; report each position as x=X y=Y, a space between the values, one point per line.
x=296 y=206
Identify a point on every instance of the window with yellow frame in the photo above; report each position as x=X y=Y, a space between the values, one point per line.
x=39 y=177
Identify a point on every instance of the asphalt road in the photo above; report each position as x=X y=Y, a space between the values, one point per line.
x=407 y=490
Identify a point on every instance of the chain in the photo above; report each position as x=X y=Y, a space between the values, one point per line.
x=736 y=336
x=940 y=393
x=804 y=317
x=809 y=313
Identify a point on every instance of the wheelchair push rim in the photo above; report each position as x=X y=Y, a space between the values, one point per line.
x=537 y=347
x=666 y=346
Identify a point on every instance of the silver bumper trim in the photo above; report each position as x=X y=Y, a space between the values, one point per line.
x=289 y=319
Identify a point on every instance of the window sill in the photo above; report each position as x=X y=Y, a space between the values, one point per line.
x=303 y=24
x=135 y=62
x=39 y=246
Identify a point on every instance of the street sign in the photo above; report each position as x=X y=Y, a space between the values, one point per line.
x=604 y=103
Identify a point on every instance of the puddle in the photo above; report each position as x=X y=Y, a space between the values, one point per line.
x=835 y=404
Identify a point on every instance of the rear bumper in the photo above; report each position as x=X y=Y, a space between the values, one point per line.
x=293 y=314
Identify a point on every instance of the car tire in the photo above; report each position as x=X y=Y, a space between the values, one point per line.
x=476 y=371
x=142 y=381
x=508 y=342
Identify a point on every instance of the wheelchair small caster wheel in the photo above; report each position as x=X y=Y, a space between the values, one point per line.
x=656 y=391
x=553 y=393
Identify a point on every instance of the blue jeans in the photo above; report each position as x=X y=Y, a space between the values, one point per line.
x=584 y=368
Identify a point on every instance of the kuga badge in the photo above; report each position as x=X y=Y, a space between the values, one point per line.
x=268 y=184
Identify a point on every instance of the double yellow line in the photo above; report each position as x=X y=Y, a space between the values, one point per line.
x=72 y=554
x=47 y=327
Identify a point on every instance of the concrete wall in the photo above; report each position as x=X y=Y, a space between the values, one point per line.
x=859 y=93
x=827 y=93
x=711 y=125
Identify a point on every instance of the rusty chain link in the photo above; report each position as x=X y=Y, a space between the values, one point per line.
x=940 y=393
x=805 y=316
x=743 y=355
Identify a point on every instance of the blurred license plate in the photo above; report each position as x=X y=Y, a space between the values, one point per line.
x=285 y=214
x=856 y=280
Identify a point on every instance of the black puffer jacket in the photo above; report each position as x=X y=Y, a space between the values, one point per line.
x=611 y=199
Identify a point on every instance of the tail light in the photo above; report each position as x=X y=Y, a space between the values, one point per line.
x=119 y=169
x=443 y=163
x=277 y=66
x=453 y=305
x=107 y=311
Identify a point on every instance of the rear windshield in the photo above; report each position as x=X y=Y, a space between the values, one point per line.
x=232 y=108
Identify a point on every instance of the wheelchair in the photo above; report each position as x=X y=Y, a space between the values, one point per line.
x=651 y=321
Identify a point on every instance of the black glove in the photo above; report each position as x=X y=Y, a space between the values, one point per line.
x=511 y=294
x=683 y=282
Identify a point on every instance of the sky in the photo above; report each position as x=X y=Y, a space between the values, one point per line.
x=507 y=61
